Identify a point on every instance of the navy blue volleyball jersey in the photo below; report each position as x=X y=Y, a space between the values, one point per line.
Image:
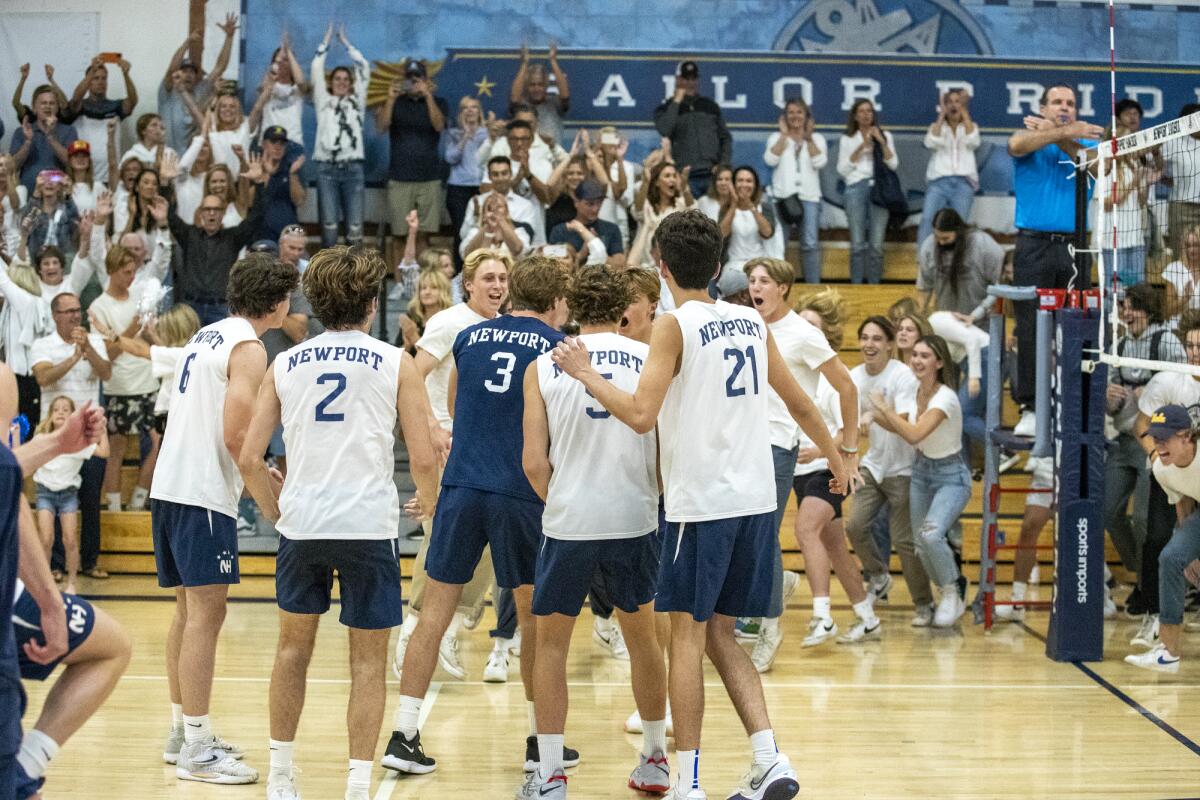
x=10 y=673
x=489 y=403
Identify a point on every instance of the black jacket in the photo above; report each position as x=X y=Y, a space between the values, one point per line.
x=699 y=138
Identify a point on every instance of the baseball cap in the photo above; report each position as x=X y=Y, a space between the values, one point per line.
x=1168 y=421
x=275 y=133
x=265 y=246
x=79 y=146
x=688 y=69
x=413 y=68
x=732 y=281
x=609 y=135
x=590 y=189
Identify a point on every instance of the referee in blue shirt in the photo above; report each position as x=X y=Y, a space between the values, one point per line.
x=1044 y=157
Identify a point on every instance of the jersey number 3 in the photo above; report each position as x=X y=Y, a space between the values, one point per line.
x=740 y=357
x=503 y=372
x=339 y=381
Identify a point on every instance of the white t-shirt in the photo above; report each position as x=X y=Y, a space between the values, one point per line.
x=888 y=455
x=62 y=472
x=285 y=107
x=710 y=206
x=81 y=383
x=828 y=402
x=863 y=168
x=222 y=143
x=745 y=241
x=804 y=350
x=604 y=484
x=163 y=363
x=1166 y=388
x=440 y=332
x=1179 y=482
x=130 y=375
x=1179 y=155
x=1186 y=287
x=946 y=439
x=796 y=171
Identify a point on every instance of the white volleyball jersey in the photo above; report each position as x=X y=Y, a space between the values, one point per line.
x=194 y=467
x=337 y=397
x=713 y=427
x=604 y=484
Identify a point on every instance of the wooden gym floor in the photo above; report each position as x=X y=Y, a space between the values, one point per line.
x=921 y=714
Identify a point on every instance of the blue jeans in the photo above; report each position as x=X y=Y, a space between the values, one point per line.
x=785 y=465
x=810 y=246
x=1131 y=266
x=1183 y=549
x=340 y=191
x=938 y=493
x=698 y=183
x=208 y=312
x=974 y=408
x=951 y=192
x=868 y=224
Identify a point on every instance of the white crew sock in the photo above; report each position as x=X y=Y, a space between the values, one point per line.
x=114 y=500
x=769 y=625
x=532 y=718
x=196 y=729
x=176 y=715
x=1018 y=592
x=359 y=777
x=689 y=768
x=654 y=737
x=822 y=608
x=763 y=745
x=407 y=714
x=37 y=749
x=865 y=612
x=281 y=757
x=550 y=754
x=139 y=497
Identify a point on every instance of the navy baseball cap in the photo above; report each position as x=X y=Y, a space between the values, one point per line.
x=1168 y=421
x=414 y=69
x=688 y=69
x=590 y=189
x=275 y=133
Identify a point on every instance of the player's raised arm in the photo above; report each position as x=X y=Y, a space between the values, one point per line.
x=412 y=404
x=251 y=463
x=802 y=409
x=535 y=455
x=640 y=409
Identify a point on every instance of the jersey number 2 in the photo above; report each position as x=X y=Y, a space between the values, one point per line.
x=503 y=372
x=340 y=380
x=739 y=363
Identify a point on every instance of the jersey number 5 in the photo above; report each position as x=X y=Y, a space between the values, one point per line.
x=739 y=363
x=503 y=372
x=339 y=380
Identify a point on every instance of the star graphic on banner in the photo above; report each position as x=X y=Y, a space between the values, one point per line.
x=484 y=86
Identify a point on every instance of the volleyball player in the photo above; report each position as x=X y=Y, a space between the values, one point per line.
x=600 y=483
x=705 y=372
x=338 y=397
x=485 y=500
x=485 y=286
x=194 y=499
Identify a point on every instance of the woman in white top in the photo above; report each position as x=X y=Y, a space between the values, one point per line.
x=220 y=182
x=189 y=183
x=81 y=173
x=228 y=131
x=719 y=194
x=340 y=101
x=797 y=153
x=856 y=165
x=941 y=485
x=665 y=191
x=13 y=197
x=151 y=147
x=281 y=94
x=163 y=344
x=747 y=223
x=1127 y=205
x=1182 y=276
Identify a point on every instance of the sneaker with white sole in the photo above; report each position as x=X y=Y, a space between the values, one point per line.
x=819 y=631
x=652 y=774
x=449 y=657
x=1147 y=635
x=406 y=632
x=407 y=755
x=207 y=763
x=791 y=581
x=607 y=634
x=570 y=757
x=765 y=649
x=496 y=670
x=282 y=787
x=1008 y=460
x=862 y=632
x=776 y=782
x=878 y=587
x=175 y=744
x=1027 y=425
x=1110 y=607
x=745 y=629
x=514 y=644
x=922 y=616
x=949 y=608
x=1157 y=659
x=1010 y=613
x=552 y=788
x=685 y=793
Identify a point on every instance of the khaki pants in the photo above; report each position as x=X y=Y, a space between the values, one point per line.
x=866 y=504
x=474 y=593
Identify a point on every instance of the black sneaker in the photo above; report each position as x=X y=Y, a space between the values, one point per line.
x=570 y=757
x=1135 y=604
x=405 y=755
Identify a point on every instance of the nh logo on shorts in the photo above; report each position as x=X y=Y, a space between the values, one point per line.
x=225 y=562
x=77 y=621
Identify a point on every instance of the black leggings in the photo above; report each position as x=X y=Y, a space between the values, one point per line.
x=29 y=400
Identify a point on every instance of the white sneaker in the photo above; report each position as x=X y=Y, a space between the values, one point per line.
x=776 y=782
x=862 y=631
x=819 y=631
x=207 y=763
x=1008 y=460
x=406 y=632
x=1157 y=659
x=619 y=650
x=607 y=634
x=769 y=639
x=1110 y=608
x=949 y=608
x=449 y=658
x=682 y=793
x=1010 y=613
x=1027 y=425
x=175 y=744
x=496 y=670
x=878 y=587
x=651 y=775
x=1147 y=635
x=791 y=581
x=281 y=787
x=514 y=644
x=922 y=616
